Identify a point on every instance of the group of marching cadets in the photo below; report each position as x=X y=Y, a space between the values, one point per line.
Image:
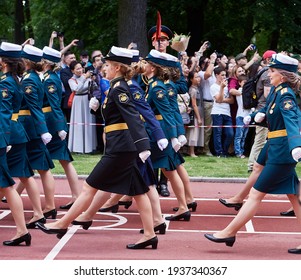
x=33 y=132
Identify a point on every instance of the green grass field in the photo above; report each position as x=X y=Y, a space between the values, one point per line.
x=202 y=166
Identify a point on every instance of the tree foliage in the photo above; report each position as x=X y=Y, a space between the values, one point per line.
x=230 y=26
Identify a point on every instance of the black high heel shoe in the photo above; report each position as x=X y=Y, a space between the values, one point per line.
x=16 y=242
x=85 y=225
x=4 y=200
x=294 y=251
x=126 y=204
x=184 y=216
x=113 y=209
x=151 y=242
x=51 y=213
x=66 y=206
x=193 y=205
x=60 y=232
x=161 y=228
x=229 y=240
x=236 y=206
x=290 y=213
x=33 y=224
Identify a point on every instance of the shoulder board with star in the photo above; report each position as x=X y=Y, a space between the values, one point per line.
x=129 y=82
x=46 y=76
x=154 y=84
x=27 y=75
x=3 y=77
x=284 y=90
x=116 y=85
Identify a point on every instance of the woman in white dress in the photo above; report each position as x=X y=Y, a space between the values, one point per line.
x=82 y=130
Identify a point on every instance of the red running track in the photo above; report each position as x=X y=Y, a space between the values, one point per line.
x=266 y=237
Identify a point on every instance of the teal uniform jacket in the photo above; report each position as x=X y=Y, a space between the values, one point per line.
x=173 y=101
x=157 y=98
x=12 y=96
x=3 y=141
x=53 y=95
x=181 y=84
x=35 y=123
x=282 y=116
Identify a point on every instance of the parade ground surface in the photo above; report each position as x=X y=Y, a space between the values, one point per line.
x=266 y=237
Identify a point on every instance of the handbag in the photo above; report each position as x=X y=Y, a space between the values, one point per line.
x=188 y=118
x=70 y=99
x=71 y=96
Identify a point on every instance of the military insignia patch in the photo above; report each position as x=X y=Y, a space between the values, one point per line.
x=137 y=95
x=171 y=92
x=160 y=94
x=288 y=104
x=123 y=98
x=4 y=93
x=28 y=90
x=51 y=89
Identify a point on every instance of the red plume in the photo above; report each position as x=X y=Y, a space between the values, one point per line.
x=158 y=27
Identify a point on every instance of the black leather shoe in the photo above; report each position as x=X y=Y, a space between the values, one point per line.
x=294 y=251
x=60 y=232
x=151 y=242
x=126 y=204
x=161 y=228
x=66 y=206
x=85 y=225
x=237 y=206
x=193 y=205
x=184 y=216
x=288 y=213
x=4 y=200
x=164 y=190
x=33 y=224
x=52 y=213
x=16 y=242
x=113 y=209
x=229 y=240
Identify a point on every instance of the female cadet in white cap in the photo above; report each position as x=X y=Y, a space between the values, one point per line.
x=31 y=115
x=10 y=90
x=55 y=120
x=117 y=171
x=283 y=147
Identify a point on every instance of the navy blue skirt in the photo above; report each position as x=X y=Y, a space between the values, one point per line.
x=18 y=163
x=118 y=173
x=38 y=155
x=5 y=178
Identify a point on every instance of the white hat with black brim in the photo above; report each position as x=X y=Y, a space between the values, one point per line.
x=121 y=55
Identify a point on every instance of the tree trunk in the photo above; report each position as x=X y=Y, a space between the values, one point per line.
x=132 y=24
x=19 y=22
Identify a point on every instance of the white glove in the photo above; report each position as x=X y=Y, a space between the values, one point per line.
x=8 y=148
x=144 y=155
x=94 y=103
x=247 y=120
x=62 y=134
x=176 y=144
x=162 y=143
x=296 y=154
x=46 y=137
x=259 y=117
x=182 y=139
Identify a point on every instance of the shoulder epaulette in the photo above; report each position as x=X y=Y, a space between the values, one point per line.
x=154 y=83
x=116 y=85
x=284 y=90
x=129 y=82
x=26 y=75
x=3 y=77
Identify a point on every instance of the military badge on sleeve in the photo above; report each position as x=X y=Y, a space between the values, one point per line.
x=51 y=89
x=123 y=98
x=4 y=93
x=160 y=94
x=137 y=95
x=28 y=90
x=287 y=104
x=171 y=92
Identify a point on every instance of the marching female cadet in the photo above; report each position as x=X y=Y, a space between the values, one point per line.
x=172 y=75
x=168 y=159
x=117 y=171
x=17 y=159
x=14 y=201
x=146 y=168
x=55 y=120
x=283 y=148
x=31 y=115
